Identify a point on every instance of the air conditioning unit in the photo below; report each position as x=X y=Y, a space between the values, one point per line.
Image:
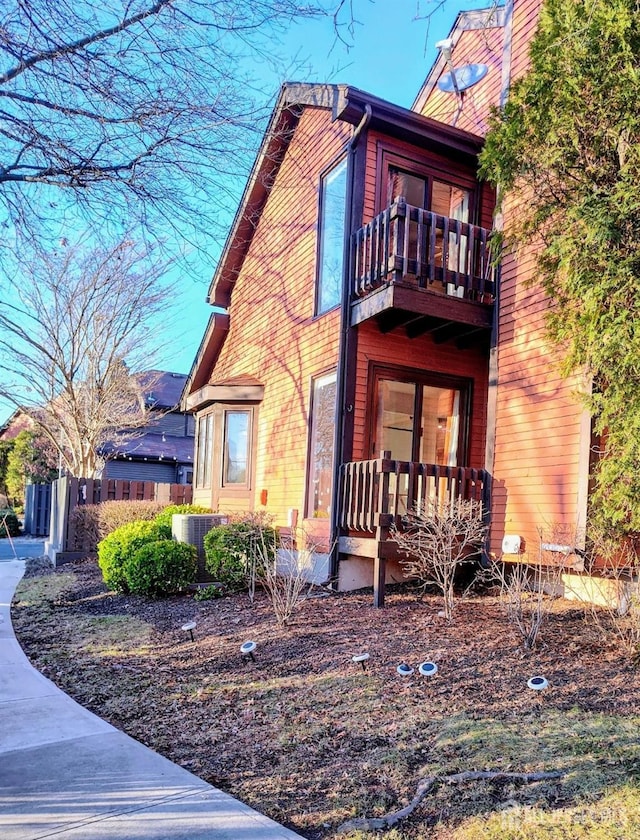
x=191 y=528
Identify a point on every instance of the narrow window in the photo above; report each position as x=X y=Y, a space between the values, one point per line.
x=333 y=190
x=205 y=450
x=320 y=474
x=236 y=448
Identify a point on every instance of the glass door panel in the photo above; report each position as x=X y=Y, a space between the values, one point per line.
x=453 y=202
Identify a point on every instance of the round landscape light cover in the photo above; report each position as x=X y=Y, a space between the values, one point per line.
x=360 y=657
x=537 y=683
x=247 y=647
x=404 y=670
x=190 y=625
x=428 y=669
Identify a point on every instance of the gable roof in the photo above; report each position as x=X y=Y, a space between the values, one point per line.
x=345 y=103
x=478 y=37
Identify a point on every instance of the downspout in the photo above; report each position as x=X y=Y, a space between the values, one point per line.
x=345 y=318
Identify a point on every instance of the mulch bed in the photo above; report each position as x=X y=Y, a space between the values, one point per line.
x=302 y=733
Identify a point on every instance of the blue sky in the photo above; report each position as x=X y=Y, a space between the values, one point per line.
x=391 y=49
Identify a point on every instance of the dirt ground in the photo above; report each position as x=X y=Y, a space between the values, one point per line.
x=307 y=736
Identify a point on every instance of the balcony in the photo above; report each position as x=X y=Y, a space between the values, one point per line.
x=423 y=271
x=375 y=495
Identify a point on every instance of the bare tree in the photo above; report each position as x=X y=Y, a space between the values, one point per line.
x=133 y=109
x=77 y=328
x=436 y=539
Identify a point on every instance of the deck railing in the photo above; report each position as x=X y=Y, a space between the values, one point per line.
x=409 y=244
x=380 y=491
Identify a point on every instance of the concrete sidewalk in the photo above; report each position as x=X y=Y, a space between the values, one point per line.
x=65 y=772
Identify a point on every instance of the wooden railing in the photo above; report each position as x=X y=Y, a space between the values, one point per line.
x=409 y=244
x=379 y=492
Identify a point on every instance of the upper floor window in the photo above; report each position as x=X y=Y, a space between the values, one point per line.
x=333 y=192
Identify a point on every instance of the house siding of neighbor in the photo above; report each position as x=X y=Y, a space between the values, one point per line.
x=419 y=378
x=163 y=450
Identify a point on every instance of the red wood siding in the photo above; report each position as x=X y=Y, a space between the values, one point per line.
x=475 y=46
x=273 y=335
x=539 y=469
x=421 y=353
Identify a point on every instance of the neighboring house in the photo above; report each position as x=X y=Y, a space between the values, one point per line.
x=13 y=425
x=358 y=313
x=163 y=450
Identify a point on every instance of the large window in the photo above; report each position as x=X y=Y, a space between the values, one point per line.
x=320 y=473
x=235 y=470
x=333 y=190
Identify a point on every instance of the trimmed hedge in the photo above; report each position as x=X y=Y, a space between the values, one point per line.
x=114 y=514
x=230 y=550
x=164 y=517
x=159 y=568
x=115 y=550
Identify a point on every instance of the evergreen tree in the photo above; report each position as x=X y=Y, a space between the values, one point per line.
x=567 y=147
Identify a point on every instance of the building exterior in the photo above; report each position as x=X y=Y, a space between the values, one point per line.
x=364 y=354
x=162 y=451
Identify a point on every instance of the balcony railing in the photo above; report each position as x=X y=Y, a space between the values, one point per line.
x=412 y=245
x=379 y=492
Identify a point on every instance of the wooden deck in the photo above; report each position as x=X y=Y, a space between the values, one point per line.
x=375 y=495
x=411 y=266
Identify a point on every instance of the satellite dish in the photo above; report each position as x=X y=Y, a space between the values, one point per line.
x=465 y=77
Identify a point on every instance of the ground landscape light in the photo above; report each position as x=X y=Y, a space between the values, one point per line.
x=537 y=683
x=189 y=627
x=362 y=659
x=428 y=669
x=404 y=670
x=247 y=648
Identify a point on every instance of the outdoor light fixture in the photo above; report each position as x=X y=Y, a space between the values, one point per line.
x=428 y=669
x=247 y=648
x=404 y=670
x=361 y=658
x=537 y=683
x=189 y=627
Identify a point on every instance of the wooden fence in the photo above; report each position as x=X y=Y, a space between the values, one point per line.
x=67 y=493
x=37 y=509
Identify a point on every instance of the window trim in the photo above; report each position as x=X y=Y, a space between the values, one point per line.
x=205 y=433
x=389 y=156
x=328 y=375
x=224 y=462
x=341 y=160
x=378 y=371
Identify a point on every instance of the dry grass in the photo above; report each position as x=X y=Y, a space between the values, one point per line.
x=307 y=737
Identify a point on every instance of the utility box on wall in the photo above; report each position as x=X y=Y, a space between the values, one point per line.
x=191 y=528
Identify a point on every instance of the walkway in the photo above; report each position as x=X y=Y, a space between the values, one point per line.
x=66 y=773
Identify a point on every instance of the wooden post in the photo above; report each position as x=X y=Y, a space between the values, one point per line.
x=382 y=530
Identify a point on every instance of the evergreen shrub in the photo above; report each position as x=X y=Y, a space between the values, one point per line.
x=115 y=549
x=162 y=567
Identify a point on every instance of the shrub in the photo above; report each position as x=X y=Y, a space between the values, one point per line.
x=115 y=549
x=85 y=522
x=9 y=525
x=161 y=568
x=208 y=593
x=234 y=552
x=164 y=517
x=114 y=514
